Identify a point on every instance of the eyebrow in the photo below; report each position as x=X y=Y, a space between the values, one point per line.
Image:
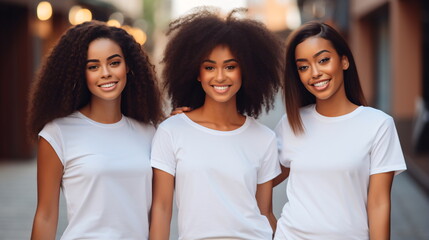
x=108 y=58
x=226 y=61
x=314 y=56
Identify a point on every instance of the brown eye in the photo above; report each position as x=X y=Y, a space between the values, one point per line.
x=302 y=68
x=324 y=60
x=115 y=63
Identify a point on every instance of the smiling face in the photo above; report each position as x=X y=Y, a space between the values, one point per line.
x=320 y=69
x=106 y=71
x=220 y=75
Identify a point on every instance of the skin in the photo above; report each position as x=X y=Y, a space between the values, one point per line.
x=105 y=65
x=220 y=77
x=318 y=62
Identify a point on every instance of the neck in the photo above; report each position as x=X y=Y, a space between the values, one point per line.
x=335 y=106
x=218 y=116
x=103 y=111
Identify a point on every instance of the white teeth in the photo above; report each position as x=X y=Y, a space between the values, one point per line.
x=107 y=85
x=221 y=88
x=321 y=84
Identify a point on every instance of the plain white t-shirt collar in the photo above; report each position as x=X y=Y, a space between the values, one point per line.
x=213 y=131
x=103 y=125
x=335 y=119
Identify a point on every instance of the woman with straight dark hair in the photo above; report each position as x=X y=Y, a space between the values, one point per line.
x=339 y=154
x=93 y=109
x=217 y=158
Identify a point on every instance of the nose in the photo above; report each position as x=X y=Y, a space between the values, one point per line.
x=315 y=72
x=220 y=75
x=105 y=72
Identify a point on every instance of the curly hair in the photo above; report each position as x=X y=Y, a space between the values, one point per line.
x=296 y=95
x=259 y=53
x=60 y=87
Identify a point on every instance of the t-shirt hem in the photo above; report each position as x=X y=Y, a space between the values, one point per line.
x=397 y=169
x=269 y=177
x=286 y=165
x=161 y=166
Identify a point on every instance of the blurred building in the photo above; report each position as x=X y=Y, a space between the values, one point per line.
x=28 y=33
x=390 y=39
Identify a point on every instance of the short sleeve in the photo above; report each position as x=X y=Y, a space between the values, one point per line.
x=52 y=134
x=386 y=152
x=162 y=153
x=270 y=167
x=280 y=143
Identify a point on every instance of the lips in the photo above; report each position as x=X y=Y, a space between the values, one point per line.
x=221 y=89
x=321 y=85
x=108 y=85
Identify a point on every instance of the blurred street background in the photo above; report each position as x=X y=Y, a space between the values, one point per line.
x=389 y=39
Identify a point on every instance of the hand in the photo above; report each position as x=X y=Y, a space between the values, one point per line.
x=180 y=110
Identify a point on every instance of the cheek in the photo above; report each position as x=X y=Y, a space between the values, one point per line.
x=333 y=68
x=303 y=77
x=122 y=72
x=90 y=78
x=204 y=77
x=237 y=77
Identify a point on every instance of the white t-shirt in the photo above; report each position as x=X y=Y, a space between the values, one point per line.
x=107 y=179
x=330 y=165
x=216 y=176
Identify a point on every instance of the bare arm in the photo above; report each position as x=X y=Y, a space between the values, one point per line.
x=282 y=176
x=379 y=205
x=163 y=189
x=264 y=197
x=49 y=175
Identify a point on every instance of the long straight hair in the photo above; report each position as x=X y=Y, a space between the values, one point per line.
x=296 y=95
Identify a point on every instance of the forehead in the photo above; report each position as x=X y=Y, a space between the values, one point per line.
x=103 y=47
x=220 y=51
x=313 y=45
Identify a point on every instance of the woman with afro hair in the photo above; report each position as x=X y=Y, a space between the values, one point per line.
x=93 y=109
x=217 y=157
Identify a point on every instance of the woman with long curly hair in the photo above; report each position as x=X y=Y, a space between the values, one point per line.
x=93 y=109
x=340 y=155
x=217 y=157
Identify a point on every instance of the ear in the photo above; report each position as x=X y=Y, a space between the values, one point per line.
x=199 y=80
x=345 y=62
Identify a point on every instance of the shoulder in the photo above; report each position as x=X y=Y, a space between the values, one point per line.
x=305 y=113
x=174 y=125
x=173 y=122
x=375 y=115
x=260 y=128
x=140 y=126
x=56 y=130
x=59 y=123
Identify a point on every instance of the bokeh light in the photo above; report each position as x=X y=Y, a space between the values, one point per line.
x=113 y=23
x=78 y=15
x=44 y=11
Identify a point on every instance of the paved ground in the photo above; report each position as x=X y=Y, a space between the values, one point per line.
x=410 y=205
